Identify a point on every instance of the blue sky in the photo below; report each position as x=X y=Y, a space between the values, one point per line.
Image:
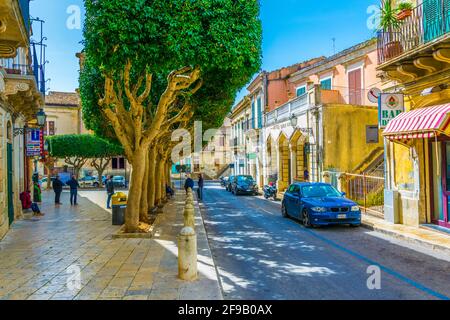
x=294 y=31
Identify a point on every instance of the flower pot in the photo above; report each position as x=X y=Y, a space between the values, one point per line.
x=393 y=49
x=12 y=71
x=402 y=15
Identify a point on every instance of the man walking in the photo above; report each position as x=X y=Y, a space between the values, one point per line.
x=200 y=186
x=109 y=191
x=189 y=183
x=74 y=185
x=57 y=188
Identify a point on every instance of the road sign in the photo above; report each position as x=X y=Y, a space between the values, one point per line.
x=390 y=105
x=34 y=142
x=373 y=95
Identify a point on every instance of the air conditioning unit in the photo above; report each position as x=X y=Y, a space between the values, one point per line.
x=391 y=206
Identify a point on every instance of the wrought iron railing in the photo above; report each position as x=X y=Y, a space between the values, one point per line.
x=285 y=111
x=427 y=22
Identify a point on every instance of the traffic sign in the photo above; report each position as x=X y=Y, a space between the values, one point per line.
x=373 y=95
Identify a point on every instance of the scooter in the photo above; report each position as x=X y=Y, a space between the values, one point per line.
x=270 y=192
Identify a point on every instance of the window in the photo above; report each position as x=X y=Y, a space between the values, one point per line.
x=51 y=128
x=253 y=115
x=372 y=134
x=301 y=91
x=355 y=87
x=326 y=84
x=118 y=163
x=259 y=112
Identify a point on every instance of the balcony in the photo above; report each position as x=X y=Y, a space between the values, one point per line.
x=14 y=26
x=284 y=113
x=428 y=25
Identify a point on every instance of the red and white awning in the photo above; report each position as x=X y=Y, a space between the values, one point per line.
x=419 y=124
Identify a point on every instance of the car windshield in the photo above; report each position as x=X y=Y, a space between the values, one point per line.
x=118 y=178
x=320 y=191
x=245 y=179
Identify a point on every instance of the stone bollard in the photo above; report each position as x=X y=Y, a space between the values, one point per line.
x=189 y=215
x=187 y=254
x=326 y=177
x=342 y=182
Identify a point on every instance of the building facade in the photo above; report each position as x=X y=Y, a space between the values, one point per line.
x=331 y=126
x=416 y=56
x=20 y=100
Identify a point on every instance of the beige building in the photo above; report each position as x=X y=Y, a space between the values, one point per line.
x=20 y=100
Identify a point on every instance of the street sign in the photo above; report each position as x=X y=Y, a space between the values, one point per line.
x=373 y=95
x=252 y=156
x=34 y=140
x=390 y=105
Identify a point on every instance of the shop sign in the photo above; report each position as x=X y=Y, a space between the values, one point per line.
x=390 y=105
x=34 y=142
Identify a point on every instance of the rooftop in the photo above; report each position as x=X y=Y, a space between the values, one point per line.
x=68 y=99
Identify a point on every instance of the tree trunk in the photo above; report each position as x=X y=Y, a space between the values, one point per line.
x=151 y=189
x=144 y=201
x=158 y=191
x=134 y=195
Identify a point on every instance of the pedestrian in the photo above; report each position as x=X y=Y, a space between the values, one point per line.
x=74 y=185
x=57 y=188
x=306 y=175
x=169 y=192
x=109 y=191
x=36 y=211
x=189 y=183
x=200 y=186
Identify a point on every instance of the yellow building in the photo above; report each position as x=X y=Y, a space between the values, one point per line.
x=417 y=57
x=20 y=100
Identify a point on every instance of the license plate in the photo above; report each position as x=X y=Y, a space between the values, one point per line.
x=342 y=216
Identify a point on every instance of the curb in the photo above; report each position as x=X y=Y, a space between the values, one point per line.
x=397 y=235
x=198 y=207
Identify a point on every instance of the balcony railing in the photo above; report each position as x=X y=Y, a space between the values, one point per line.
x=23 y=65
x=427 y=22
x=284 y=112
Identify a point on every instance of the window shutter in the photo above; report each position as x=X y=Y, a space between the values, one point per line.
x=259 y=111
x=253 y=115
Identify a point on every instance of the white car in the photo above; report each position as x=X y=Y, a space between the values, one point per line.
x=88 y=181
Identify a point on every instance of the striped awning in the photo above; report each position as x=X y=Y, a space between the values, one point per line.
x=420 y=123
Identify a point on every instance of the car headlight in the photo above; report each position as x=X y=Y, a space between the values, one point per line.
x=319 y=209
x=355 y=208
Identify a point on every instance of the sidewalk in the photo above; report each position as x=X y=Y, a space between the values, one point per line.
x=429 y=238
x=39 y=257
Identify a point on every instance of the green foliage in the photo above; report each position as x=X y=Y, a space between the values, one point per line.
x=223 y=37
x=82 y=145
x=405 y=6
x=388 y=17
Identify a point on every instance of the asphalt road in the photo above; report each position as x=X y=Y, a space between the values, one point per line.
x=261 y=255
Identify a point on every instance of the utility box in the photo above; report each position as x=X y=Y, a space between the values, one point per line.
x=391 y=206
x=119 y=205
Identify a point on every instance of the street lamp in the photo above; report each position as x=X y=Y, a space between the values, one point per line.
x=294 y=121
x=41 y=118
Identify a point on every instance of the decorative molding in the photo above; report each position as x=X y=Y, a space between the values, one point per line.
x=428 y=63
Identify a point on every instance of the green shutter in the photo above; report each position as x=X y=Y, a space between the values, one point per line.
x=259 y=112
x=301 y=91
x=326 y=84
x=253 y=115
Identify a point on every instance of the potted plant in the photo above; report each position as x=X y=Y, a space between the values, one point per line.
x=404 y=10
x=389 y=25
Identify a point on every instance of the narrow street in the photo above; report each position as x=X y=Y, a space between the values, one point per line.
x=261 y=255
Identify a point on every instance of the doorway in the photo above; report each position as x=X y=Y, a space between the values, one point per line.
x=10 y=183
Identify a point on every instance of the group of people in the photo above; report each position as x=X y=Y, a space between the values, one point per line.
x=189 y=184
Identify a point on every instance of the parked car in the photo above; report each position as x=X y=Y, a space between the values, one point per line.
x=244 y=185
x=89 y=181
x=319 y=204
x=119 y=182
x=228 y=183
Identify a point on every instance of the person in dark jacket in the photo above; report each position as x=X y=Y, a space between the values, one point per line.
x=74 y=185
x=109 y=191
x=57 y=187
x=189 y=183
x=200 y=186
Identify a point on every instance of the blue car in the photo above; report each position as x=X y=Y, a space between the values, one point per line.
x=319 y=204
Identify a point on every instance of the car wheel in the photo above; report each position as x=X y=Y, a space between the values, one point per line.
x=305 y=219
x=266 y=197
x=355 y=225
x=284 y=212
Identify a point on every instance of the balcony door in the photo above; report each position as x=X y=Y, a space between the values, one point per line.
x=435 y=18
x=355 y=87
